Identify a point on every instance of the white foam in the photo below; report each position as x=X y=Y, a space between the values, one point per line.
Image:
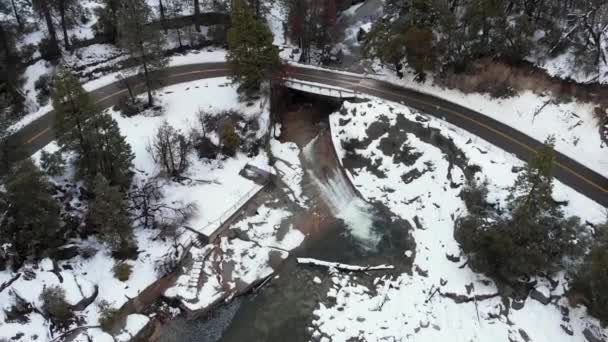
x=344 y=203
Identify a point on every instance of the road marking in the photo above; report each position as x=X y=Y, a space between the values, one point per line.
x=44 y=131
x=41 y=133
x=352 y=84
x=504 y=135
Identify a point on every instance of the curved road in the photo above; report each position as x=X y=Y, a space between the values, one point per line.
x=584 y=180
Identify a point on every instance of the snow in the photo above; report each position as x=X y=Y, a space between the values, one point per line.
x=288 y=167
x=216 y=186
x=93 y=55
x=225 y=189
x=404 y=307
x=572 y=123
x=135 y=323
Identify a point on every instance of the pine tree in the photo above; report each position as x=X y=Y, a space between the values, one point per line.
x=67 y=9
x=531 y=196
x=44 y=9
x=141 y=41
x=251 y=56
x=73 y=108
x=93 y=135
x=11 y=78
x=109 y=217
x=107 y=19
x=110 y=154
x=30 y=220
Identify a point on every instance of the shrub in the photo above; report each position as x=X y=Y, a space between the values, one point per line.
x=52 y=163
x=56 y=306
x=206 y=149
x=122 y=271
x=592 y=279
x=229 y=138
x=107 y=316
x=128 y=107
x=43 y=86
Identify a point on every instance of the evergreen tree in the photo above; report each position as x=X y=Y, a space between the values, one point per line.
x=251 y=56
x=109 y=217
x=67 y=10
x=111 y=155
x=93 y=135
x=531 y=196
x=44 y=8
x=30 y=220
x=141 y=41
x=11 y=78
x=107 y=19
x=73 y=108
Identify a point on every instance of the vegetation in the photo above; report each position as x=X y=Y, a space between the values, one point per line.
x=52 y=163
x=229 y=138
x=109 y=217
x=56 y=307
x=30 y=216
x=455 y=33
x=170 y=149
x=141 y=41
x=592 y=279
x=94 y=136
x=532 y=238
x=122 y=271
x=251 y=56
x=107 y=316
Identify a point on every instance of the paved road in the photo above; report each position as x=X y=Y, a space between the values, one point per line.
x=584 y=180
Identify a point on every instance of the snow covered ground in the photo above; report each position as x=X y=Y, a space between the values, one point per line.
x=572 y=123
x=416 y=306
x=215 y=187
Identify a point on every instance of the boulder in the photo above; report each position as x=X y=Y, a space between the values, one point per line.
x=541 y=294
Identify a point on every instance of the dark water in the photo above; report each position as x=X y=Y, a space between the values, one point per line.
x=283 y=309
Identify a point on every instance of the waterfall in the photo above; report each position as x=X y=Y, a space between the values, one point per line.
x=344 y=203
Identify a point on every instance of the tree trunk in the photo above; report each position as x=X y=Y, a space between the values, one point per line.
x=162 y=15
x=148 y=85
x=197 y=13
x=54 y=47
x=64 y=24
x=179 y=39
x=17 y=16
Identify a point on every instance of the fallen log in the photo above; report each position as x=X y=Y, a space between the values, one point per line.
x=343 y=267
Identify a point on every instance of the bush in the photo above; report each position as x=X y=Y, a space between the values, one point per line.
x=48 y=51
x=52 y=163
x=206 y=149
x=474 y=196
x=107 y=316
x=129 y=108
x=592 y=279
x=122 y=271
x=56 y=306
x=229 y=138
x=43 y=86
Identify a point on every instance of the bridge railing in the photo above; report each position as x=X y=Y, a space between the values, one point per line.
x=326 y=90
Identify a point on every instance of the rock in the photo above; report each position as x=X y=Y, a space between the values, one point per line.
x=46 y=264
x=65 y=253
x=592 y=336
x=524 y=335
x=408 y=253
x=517 y=304
x=452 y=258
x=541 y=294
x=317 y=280
x=567 y=329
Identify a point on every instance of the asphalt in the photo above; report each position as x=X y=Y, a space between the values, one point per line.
x=577 y=176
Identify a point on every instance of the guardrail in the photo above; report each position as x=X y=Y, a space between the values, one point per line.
x=303 y=85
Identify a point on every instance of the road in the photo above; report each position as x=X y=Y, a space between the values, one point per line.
x=582 y=179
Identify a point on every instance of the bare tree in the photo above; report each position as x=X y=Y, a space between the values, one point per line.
x=170 y=149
